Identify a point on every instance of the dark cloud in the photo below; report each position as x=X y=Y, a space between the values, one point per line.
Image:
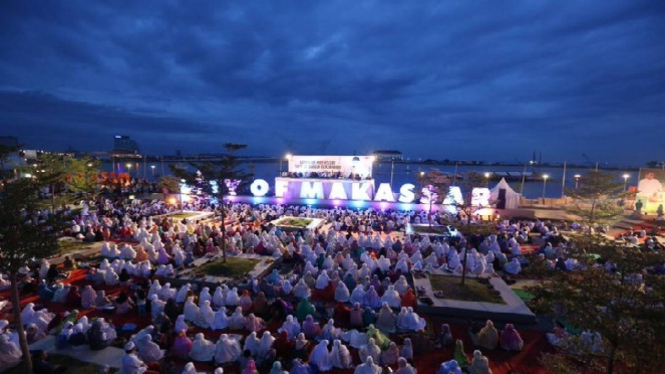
x=466 y=80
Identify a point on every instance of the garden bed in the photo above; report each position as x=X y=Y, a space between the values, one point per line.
x=474 y=289
x=181 y=216
x=68 y=245
x=234 y=267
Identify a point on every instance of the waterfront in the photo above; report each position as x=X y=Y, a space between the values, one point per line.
x=401 y=173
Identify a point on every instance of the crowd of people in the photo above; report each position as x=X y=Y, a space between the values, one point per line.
x=341 y=298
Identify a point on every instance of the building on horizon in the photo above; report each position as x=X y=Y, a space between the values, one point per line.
x=388 y=155
x=124 y=145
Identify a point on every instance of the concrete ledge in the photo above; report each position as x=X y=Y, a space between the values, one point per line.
x=513 y=311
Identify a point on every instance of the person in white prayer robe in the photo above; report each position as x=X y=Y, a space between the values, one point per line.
x=190 y=369
x=252 y=344
x=402 y=265
x=342 y=293
x=131 y=363
x=330 y=332
x=149 y=351
x=237 y=320
x=320 y=356
x=265 y=344
x=28 y=314
x=155 y=288
x=10 y=353
x=513 y=267
x=401 y=285
x=191 y=310
x=391 y=297
x=180 y=324
x=227 y=350
x=322 y=281
x=370 y=350
x=127 y=252
x=167 y=292
x=204 y=296
x=181 y=296
x=287 y=288
x=206 y=315
x=368 y=367
x=156 y=307
x=111 y=278
x=221 y=320
x=203 y=350
x=232 y=298
x=218 y=298
x=340 y=357
x=291 y=326
x=412 y=322
x=357 y=295
x=301 y=290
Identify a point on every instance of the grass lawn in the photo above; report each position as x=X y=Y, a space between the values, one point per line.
x=67 y=246
x=234 y=267
x=181 y=216
x=473 y=290
x=73 y=365
x=294 y=222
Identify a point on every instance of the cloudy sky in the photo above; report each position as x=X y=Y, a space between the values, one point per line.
x=484 y=80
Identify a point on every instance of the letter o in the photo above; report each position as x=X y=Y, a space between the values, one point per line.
x=259 y=187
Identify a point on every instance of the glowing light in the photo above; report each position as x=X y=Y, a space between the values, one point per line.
x=171 y=200
x=259 y=187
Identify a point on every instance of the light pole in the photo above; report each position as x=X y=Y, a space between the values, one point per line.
x=625 y=181
x=545 y=176
x=487 y=179
x=129 y=169
x=392 y=170
x=153 y=171
x=455 y=174
x=281 y=160
x=577 y=180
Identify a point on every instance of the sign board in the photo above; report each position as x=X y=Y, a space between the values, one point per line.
x=312 y=166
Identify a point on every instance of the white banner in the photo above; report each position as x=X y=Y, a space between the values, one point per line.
x=320 y=165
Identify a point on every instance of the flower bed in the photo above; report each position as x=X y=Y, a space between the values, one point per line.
x=474 y=289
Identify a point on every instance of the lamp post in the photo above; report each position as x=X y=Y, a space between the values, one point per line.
x=153 y=170
x=625 y=181
x=392 y=170
x=577 y=180
x=281 y=160
x=487 y=179
x=545 y=176
x=129 y=169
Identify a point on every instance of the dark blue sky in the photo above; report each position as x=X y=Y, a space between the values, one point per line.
x=487 y=80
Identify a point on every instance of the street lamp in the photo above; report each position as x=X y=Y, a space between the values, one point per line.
x=625 y=181
x=281 y=160
x=577 y=180
x=153 y=170
x=487 y=179
x=545 y=176
x=129 y=169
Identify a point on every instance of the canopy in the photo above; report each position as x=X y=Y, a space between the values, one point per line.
x=504 y=196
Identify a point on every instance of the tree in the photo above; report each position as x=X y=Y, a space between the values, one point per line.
x=218 y=180
x=5 y=152
x=434 y=189
x=615 y=293
x=23 y=238
x=69 y=179
x=596 y=199
x=466 y=206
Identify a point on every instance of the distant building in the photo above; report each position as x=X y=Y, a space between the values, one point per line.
x=9 y=141
x=124 y=145
x=388 y=155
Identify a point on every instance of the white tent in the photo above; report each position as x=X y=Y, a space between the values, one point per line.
x=506 y=199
